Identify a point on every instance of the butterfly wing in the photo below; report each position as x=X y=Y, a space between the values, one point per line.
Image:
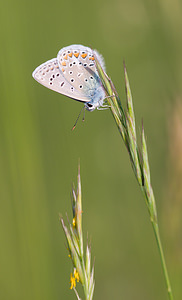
x=50 y=75
x=79 y=69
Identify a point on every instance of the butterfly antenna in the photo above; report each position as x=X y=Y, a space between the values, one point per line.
x=78 y=117
x=84 y=109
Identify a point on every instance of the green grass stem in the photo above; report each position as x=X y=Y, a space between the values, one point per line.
x=83 y=271
x=138 y=155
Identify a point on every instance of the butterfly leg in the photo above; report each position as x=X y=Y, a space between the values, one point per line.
x=103 y=107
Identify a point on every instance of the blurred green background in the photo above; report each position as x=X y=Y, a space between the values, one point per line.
x=39 y=153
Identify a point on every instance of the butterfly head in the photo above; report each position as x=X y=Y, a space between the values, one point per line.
x=90 y=106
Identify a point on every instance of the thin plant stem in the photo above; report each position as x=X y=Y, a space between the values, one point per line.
x=163 y=262
x=83 y=270
x=125 y=121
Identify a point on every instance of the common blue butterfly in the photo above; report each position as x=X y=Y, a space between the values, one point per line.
x=74 y=74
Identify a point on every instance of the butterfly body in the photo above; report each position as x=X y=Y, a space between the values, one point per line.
x=74 y=74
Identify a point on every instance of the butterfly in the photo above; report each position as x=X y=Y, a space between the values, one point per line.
x=74 y=74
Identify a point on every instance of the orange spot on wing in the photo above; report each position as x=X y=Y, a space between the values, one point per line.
x=70 y=54
x=92 y=58
x=66 y=57
x=76 y=54
x=63 y=69
x=84 y=55
x=63 y=63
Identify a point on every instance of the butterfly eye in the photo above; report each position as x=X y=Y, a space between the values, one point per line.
x=89 y=105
